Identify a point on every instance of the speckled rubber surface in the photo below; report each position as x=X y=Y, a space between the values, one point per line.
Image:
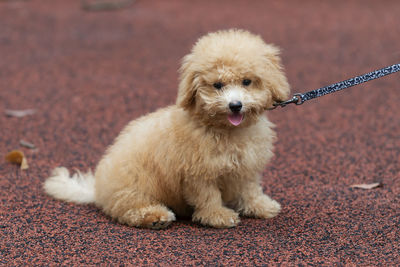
x=89 y=73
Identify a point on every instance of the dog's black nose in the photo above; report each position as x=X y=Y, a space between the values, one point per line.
x=235 y=106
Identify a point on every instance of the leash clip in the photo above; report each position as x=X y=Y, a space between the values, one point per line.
x=296 y=99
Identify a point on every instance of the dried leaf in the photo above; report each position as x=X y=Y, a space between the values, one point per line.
x=27 y=144
x=366 y=186
x=17 y=157
x=19 y=113
x=24 y=164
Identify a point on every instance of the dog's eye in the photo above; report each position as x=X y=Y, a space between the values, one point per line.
x=218 y=85
x=246 y=82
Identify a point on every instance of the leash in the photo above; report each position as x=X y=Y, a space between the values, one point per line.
x=299 y=98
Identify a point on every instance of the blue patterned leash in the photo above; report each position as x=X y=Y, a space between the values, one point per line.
x=299 y=98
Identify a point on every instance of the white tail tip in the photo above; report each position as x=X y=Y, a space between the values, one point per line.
x=78 y=189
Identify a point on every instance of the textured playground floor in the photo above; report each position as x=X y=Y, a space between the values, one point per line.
x=88 y=73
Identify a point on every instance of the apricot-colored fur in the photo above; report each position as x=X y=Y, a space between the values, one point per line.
x=189 y=159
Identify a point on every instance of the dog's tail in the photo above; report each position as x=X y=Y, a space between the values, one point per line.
x=78 y=188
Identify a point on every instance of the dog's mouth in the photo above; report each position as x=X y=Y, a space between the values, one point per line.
x=235 y=118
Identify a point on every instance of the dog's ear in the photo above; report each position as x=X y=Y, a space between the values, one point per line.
x=275 y=77
x=188 y=83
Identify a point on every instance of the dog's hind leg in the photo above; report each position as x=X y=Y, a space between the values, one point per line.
x=135 y=209
x=152 y=216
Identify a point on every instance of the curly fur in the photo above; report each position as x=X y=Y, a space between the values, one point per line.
x=188 y=159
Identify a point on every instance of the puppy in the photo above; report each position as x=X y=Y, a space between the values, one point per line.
x=202 y=157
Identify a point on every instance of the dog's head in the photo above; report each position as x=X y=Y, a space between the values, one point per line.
x=230 y=77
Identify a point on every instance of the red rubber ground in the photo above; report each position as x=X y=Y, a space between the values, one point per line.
x=88 y=73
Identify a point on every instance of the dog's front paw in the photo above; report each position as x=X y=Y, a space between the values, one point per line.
x=262 y=207
x=218 y=218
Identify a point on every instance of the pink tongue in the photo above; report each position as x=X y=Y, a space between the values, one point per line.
x=235 y=119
